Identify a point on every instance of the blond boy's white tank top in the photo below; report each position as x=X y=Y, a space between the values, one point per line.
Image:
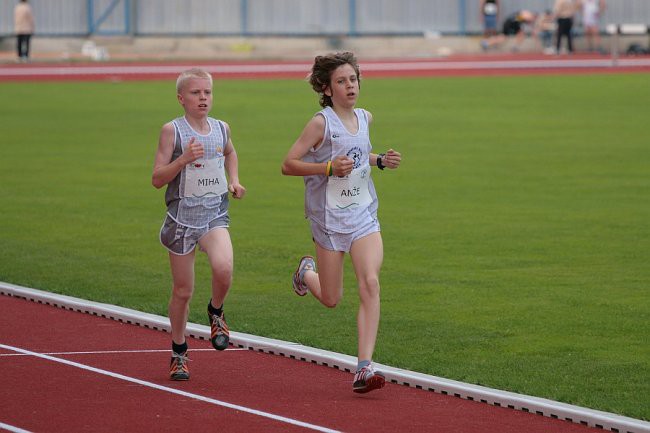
x=192 y=209
x=342 y=205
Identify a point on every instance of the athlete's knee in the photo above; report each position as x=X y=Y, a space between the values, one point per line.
x=221 y=268
x=330 y=300
x=222 y=278
x=330 y=303
x=182 y=293
x=369 y=288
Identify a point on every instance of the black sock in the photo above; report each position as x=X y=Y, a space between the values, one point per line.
x=212 y=310
x=179 y=348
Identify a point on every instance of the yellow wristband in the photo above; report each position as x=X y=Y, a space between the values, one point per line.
x=328 y=170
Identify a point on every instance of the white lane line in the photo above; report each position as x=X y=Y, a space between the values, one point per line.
x=110 y=352
x=11 y=428
x=172 y=390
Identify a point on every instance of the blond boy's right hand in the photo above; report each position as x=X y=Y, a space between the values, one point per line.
x=193 y=151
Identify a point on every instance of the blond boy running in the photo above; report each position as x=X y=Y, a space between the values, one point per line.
x=198 y=163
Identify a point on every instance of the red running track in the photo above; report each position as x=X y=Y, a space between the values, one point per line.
x=65 y=371
x=460 y=65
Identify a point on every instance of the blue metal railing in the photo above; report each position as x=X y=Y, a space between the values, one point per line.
x=97 y=17
x=243 y=18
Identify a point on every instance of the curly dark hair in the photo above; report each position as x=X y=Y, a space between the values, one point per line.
x=321 y=73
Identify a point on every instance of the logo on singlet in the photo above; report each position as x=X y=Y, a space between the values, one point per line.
x=355 y=153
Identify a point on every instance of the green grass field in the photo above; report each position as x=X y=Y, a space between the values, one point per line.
x=516 y=232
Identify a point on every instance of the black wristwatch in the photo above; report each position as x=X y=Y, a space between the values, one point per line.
x=379 y=163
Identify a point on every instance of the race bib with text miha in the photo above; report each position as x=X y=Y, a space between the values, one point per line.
x=205 y=177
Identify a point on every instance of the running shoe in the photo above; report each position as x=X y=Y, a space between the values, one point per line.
x=219 y=332
x=367 y=379
x=306 y=264
x=178 y=368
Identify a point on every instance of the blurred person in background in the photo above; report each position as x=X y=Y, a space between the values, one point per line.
x=545 y=28
x=24 y=28
x=490 y=14
x=564 y=10
x=512 y=26
x=592 y=11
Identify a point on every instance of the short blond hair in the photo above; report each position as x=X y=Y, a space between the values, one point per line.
x=189 y=74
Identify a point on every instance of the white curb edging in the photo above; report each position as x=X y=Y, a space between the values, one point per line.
x=540 y=406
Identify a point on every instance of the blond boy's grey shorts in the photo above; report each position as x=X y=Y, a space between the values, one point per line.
x=182 y=240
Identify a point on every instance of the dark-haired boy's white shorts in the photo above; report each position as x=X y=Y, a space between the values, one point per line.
x=341 y=241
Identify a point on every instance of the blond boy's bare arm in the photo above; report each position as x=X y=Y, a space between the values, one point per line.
x=164 y=169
